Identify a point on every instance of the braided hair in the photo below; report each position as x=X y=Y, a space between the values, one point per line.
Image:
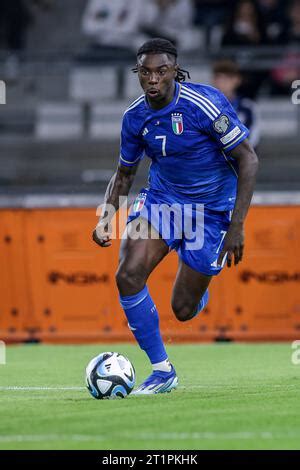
x=162 y=46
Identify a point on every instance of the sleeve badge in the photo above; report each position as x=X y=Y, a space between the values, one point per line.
x=221 y=124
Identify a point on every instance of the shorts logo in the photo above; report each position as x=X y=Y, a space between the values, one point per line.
x=221 y=125
x=177 y=123
x=139 y=202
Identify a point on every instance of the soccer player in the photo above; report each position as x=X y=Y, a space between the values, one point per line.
x=201 y=157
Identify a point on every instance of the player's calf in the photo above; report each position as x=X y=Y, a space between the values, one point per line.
x=185 y=310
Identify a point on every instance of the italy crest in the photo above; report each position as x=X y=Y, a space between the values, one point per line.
x=177 y=123
x=139 y=202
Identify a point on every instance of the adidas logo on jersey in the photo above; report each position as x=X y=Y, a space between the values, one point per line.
x=145 y=131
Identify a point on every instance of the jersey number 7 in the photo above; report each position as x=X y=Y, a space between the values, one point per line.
x=163 y=144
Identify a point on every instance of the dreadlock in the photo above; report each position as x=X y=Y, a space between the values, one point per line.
x=162 y=46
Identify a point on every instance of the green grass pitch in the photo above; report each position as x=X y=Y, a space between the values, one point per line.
x=230 y=396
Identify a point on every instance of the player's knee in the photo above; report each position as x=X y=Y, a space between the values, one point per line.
x=129 y=280
x=183 y=311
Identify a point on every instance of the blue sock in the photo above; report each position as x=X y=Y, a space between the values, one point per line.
x=202 y=303
x=143 y=321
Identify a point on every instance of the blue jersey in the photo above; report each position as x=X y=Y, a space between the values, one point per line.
x=188 y=141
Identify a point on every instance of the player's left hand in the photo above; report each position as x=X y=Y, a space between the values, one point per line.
x=233 y=245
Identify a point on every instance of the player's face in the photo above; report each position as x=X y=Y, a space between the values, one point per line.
x=157 y=74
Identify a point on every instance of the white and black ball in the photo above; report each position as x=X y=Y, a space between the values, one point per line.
x=110 y=375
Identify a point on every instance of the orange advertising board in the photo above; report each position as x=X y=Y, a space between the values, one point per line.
x=57 y=285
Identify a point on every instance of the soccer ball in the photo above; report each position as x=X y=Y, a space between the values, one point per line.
x=110 y=375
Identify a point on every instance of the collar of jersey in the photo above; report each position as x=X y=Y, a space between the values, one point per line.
x=169 y=106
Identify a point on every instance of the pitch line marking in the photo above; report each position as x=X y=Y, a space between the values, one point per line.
x=244 y=435
x=184 y=388
x=32 y=389
x=49 y=437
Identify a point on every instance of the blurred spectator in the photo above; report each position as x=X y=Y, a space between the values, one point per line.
x=211 y=12
x=245 y=28
x=288 y=69
x=112 y=23
x=210 y=15
x=245 y=25
x=14 y=20
x=273 y=14
x=285 y=73
x=173 y=20
x=227 y=78
x=292 y=33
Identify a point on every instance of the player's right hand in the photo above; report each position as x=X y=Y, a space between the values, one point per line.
x=102 y=235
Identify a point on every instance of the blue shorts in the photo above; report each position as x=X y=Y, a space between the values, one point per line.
x=195 y=232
